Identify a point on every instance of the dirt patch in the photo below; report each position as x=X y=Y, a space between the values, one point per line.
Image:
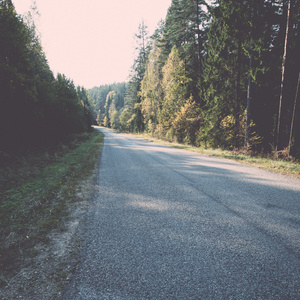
x=45 y=275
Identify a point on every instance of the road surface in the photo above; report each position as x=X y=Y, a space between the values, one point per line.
x=170 y=224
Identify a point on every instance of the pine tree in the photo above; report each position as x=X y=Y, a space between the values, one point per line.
x=196 y=36
x=132 y=104
x=225 y=74
x=174 y=29
x=185 y=28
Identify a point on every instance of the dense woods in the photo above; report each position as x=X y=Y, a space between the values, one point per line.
x=213 y=74
x=108 y=102
x=217 y=74
x=36 y=109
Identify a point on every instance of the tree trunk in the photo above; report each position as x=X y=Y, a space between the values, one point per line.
x=282 y=75
x=238 y=93
x=247 y=125
x=198 y=38
x=293 y=117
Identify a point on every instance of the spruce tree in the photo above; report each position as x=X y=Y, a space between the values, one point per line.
x=185 y=28
x=225 y=74
x=132 y=104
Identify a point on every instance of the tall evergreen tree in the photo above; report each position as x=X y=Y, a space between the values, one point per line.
x=185 y=28
x=132 y=97
x=225 y=73
x=196 y=35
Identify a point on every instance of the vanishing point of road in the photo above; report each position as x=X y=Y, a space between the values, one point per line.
x=165 y=223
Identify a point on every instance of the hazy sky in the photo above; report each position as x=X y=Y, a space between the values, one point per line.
x=92 y=41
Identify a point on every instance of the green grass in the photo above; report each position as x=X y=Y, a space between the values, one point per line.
x=35 y=192
x=280 y=166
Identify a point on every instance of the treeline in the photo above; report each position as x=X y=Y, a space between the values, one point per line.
x=219 y=74
x=35 y=107
x=108 y=102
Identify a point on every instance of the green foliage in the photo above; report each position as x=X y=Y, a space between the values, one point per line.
x=187 y=123
x=132 y=116
x=186 y=28
x=111 y=118
x=69 y=112
x=88 y=106
x=35 y=108
x=102 y=103
x=151 y=90
x=174 y=85
x=225 y=74
x=189 y=81
x=127 y=119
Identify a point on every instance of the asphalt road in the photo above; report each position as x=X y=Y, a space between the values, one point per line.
x=170 y=224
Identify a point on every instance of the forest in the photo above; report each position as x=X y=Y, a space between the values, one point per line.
x=221 y=74
x=108 y=103
x=36 y=108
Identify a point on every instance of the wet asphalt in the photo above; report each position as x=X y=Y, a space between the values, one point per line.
x=165 y=223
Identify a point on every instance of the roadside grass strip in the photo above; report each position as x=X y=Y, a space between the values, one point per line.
x=37 y=201
x=280 y=166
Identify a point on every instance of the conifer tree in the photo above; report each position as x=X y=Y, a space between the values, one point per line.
x=225 y=74
x=132 y=103
x=185 y=28
x=195 y=35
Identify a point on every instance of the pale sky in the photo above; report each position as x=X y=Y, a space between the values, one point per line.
x=92 y=41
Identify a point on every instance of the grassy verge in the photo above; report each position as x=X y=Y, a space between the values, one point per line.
x=34 y=195
x=289 y=168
